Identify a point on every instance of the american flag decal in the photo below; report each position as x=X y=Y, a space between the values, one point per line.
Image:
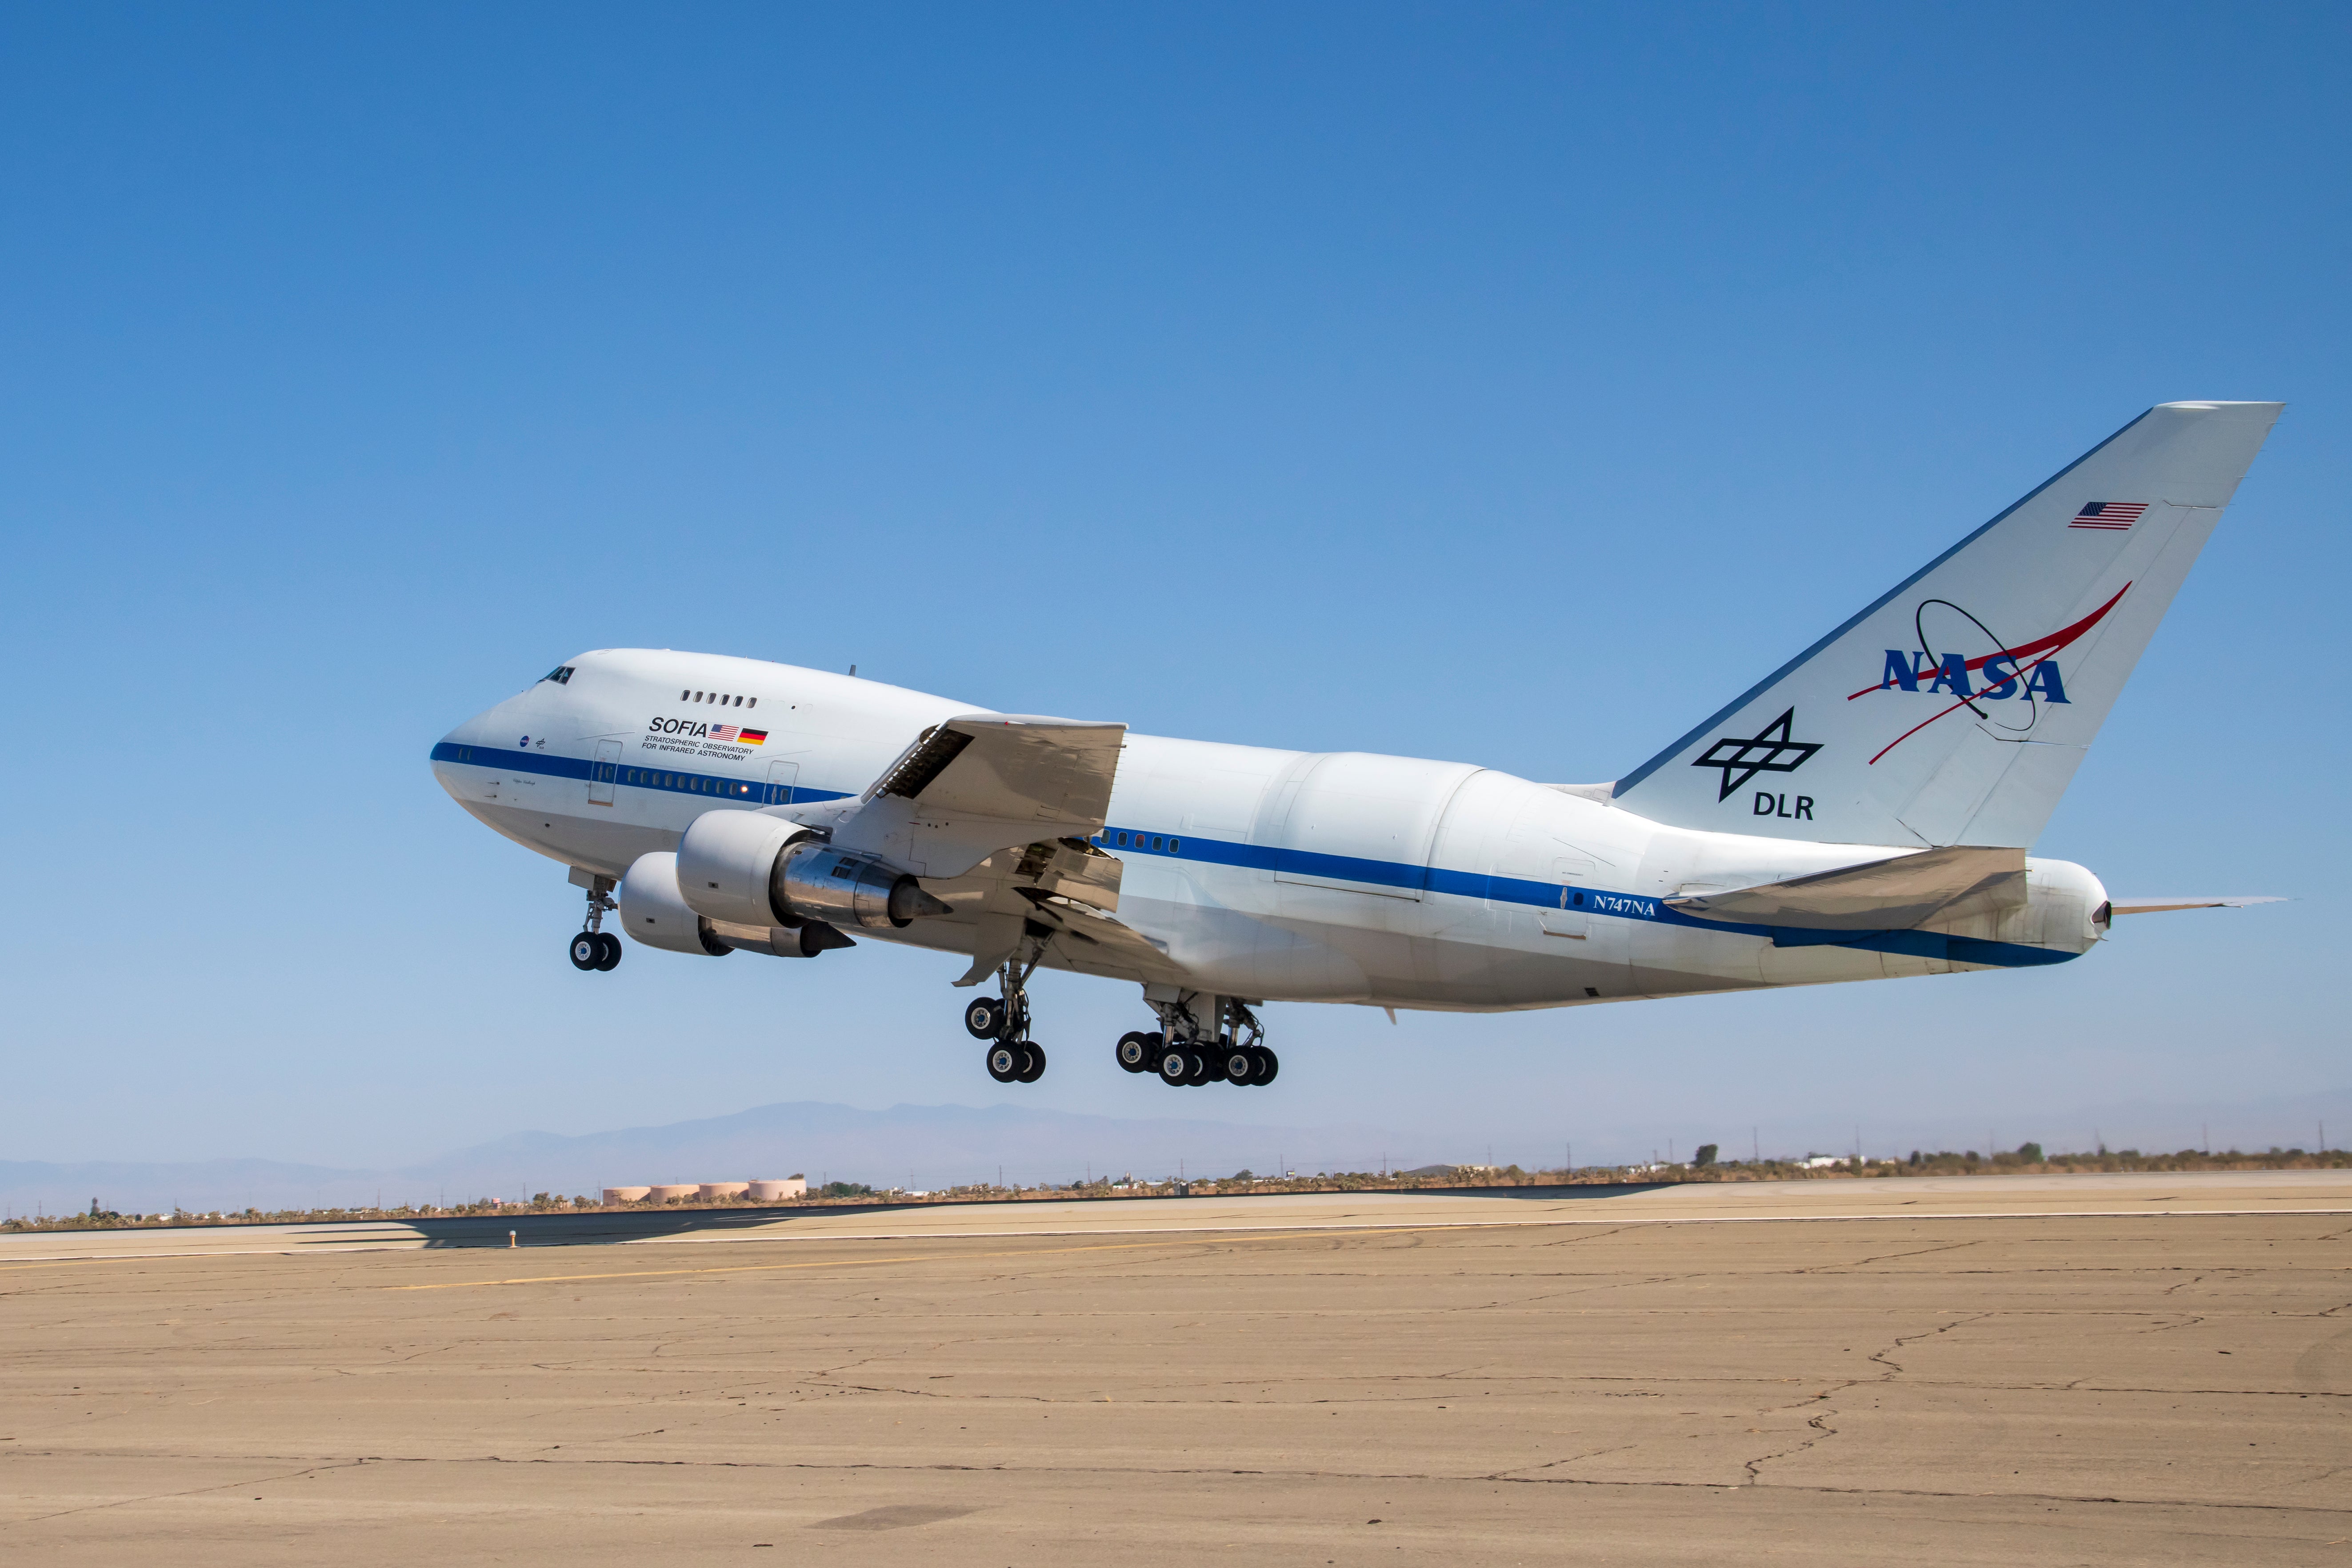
x=2112 y=515
x=723 y=731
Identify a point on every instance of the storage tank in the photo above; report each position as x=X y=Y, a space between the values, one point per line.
x=720 y=1191
x=663 y=1192
x=789 y=1187
x=624 y=1194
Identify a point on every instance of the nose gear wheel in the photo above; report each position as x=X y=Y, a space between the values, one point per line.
x=595 y=948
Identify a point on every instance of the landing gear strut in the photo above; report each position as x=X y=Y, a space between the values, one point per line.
x=1201 y=1039
x=1013 y=1056
x=594 y=947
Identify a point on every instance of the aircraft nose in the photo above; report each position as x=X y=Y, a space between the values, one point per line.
x=464 y=743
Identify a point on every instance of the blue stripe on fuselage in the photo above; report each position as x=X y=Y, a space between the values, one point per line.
x=1309 y=863
x=1557 y=895
x=633 y=775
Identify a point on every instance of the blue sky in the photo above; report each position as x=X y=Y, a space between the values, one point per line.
x=1513 y=384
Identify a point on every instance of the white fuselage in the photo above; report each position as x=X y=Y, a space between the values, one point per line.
x=1270 y=875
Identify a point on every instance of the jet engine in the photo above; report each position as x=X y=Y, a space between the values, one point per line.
x=653 y=911
x=743 y=868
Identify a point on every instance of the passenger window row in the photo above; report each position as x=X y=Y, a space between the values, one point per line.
x=729 y=701
x=1112 y=838
x=696 y=783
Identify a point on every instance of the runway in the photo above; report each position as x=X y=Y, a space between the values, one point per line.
x=2014 y=1369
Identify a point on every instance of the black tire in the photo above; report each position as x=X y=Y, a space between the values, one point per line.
x=586 y=951
x=1273 y=1065
x=1037 y=1068
x=1005 y=1062
x=983 y=1019
x=1241 y=1064
x=1175 y=1066
x=1136 y=1051
x=609 y=956
x=1203 y=1066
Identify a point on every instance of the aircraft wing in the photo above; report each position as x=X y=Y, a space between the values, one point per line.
x=1053 y=774
x=979 y=783
x=2218 y=901
x=1895 y=894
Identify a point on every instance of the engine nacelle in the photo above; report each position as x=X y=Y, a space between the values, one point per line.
x=743 y=868
x=654 y=911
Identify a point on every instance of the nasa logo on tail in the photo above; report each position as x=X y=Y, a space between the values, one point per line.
x=2027 y=672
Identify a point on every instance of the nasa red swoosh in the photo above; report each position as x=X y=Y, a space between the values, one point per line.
x=2045 y=646
x=2048 y=645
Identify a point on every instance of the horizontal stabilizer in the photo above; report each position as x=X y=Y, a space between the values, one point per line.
x=2217 y=901
x=1895 y=894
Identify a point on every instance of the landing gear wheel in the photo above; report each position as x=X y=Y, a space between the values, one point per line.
x=1204 y=1067
x=1137 y=1052
x=608 y=951
x=1005 y=1063
x=1272 y=1065
x=1241 y=1064
x=587 y=950
x=1175 y=1066
x=984 y=1018
x=1037 y=1068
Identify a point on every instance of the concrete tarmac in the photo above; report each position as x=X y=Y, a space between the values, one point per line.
x=1998 y=1369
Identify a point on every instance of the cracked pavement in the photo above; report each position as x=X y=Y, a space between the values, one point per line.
x=2160 y=1387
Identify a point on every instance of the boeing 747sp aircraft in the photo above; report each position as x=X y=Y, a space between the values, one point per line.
x=1864 y=811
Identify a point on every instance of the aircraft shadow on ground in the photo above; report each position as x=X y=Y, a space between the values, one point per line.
x=607 y=1229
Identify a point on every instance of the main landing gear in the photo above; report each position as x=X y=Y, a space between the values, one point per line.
x=1003 y=1022
x=1200 y=1040
x=596 y=948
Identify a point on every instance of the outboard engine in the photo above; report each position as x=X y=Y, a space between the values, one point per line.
x=742 y=867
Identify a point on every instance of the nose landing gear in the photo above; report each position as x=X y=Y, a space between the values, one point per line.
x=594 y=947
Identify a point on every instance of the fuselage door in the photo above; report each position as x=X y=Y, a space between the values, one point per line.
x=1571 y=917
x=604 y=772
x=782 y=777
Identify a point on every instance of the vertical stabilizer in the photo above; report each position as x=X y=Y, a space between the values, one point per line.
x=1955 y=710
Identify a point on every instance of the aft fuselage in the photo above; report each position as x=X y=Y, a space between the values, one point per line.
x=1268 y=874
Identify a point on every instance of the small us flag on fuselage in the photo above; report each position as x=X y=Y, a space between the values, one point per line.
x=2113 y=515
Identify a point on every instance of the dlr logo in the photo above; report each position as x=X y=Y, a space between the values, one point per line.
x=1770 y=804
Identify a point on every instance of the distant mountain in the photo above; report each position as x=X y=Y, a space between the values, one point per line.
x=922 y=1146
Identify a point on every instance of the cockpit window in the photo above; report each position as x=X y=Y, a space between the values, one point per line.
x=561 y=674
